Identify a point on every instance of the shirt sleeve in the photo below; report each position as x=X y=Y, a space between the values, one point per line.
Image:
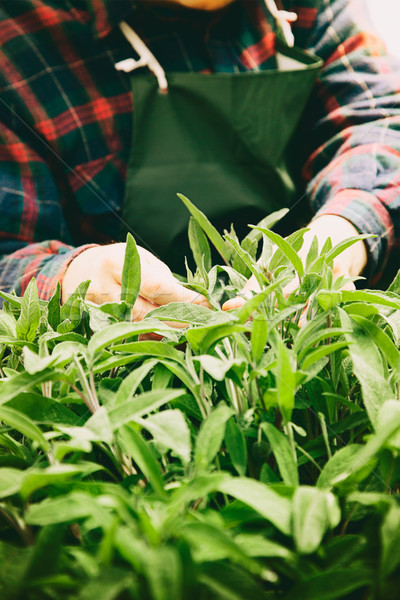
x=34 y=236
x=353 y=124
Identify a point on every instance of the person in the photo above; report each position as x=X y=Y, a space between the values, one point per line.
x=254 y=124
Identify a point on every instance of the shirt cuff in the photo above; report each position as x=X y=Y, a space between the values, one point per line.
x=54 y=270
x=368 y=215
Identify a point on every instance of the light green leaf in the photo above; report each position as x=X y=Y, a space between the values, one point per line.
x=283 y=454
x=259 y=335
x=54 y=308
x=130 y=384
x=141 y=405
x=342 y=246
x=211 y=435
x=261 y=498
x=120 y=331
x=316 y=355
x=20 y=422
x=236 y=446
x=150 y=348
x=8 y=326
x=209 y=229
x=390 y=540
x=285 y=381
x=367 y=366
x=286 y=248
x=315 y=511
x=182 y=312
x=199 y=246
x=29 y=319
x=170 y=430
x=341 y=462
x=131 y=273
x=10 y=481
x=64 y=509
x=139 y=450
x=382 y=340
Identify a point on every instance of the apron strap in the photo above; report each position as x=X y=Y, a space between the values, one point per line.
x=283 y=19
x=146 y=58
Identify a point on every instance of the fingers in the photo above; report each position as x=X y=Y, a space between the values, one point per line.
x=159 y=286
x=246 y=293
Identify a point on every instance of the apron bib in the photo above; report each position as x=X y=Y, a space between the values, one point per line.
x=222 y=140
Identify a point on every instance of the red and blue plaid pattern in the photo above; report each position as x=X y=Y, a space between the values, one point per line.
x=66 y=118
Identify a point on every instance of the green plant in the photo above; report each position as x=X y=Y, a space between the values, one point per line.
x=243 y=456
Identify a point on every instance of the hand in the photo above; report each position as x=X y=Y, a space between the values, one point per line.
x=103 y=266
x=349 y=263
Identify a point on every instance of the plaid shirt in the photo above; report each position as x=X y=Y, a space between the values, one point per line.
x=66 y=118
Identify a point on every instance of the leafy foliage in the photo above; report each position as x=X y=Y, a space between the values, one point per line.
x=253 y=453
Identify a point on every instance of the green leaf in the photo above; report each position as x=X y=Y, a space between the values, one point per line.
x=211 y=435
x=139 y=450
x=390 y=540
x=209 y=229
x=251 y=264
x=285 y=381
x=199 y=246
x=341 y=462
x=283 y=454
x=267 y=222
x=182 y=312
x=29 y=319
x=131 y=273
x=72 y=307
x=245 y=311
x=395 y=285
x=22 y=382
x=286 y=248
x=43 y=410
x=109 y=584
x=382 y=340
x=259 y=336
x=342 y=246
x=372 y=297
x=141 y=405
x=321 y=352
x=367 y=366
x=254 y=544
x=210 y=543
x=130 y=384
x=315 y=511
x=120 y=331
x=334 y=584
x=20 y=422
x=64 y=509
x=214 y=366
x=8 y=326
x=10 y=481
x=202 y=338
x=151 y=348
x=262 y=499
x=328 y=299
x=236 y=446
x=35 y=479
x=170 y=430
x=54 y=308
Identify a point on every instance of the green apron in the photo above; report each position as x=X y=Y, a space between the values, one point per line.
x=221 y=140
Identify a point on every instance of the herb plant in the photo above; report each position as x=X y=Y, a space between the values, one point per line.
x=250 y=454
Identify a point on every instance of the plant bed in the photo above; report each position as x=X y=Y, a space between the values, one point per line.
x=251 y=454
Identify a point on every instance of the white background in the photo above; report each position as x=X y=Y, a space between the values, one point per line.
x=385 y=17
